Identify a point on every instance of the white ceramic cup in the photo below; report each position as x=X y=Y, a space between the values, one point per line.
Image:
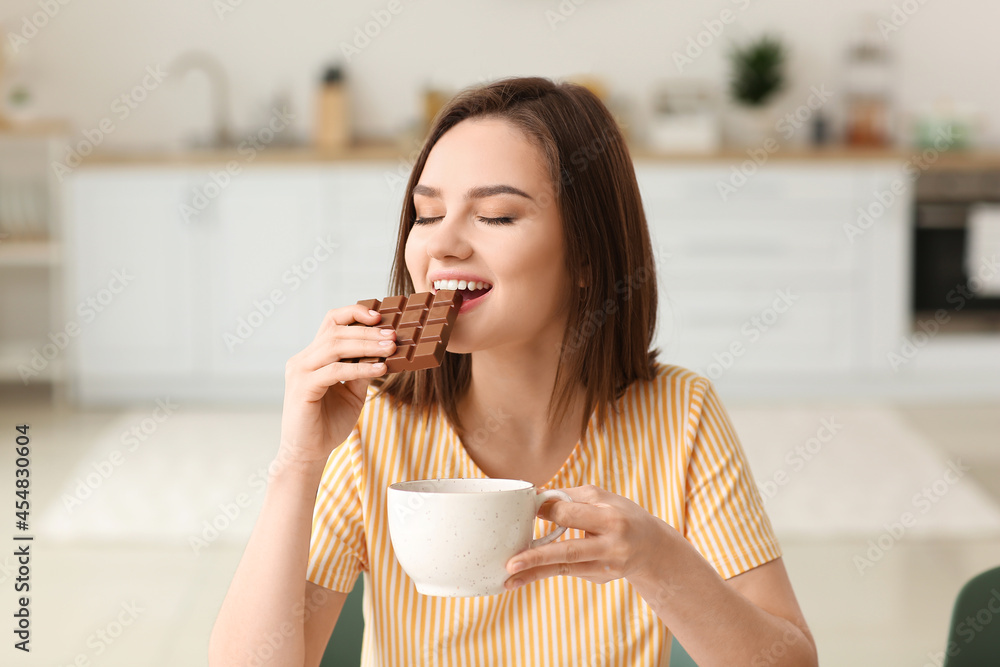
x=453 y=537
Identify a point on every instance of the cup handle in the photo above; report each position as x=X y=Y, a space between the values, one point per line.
x=541 y=499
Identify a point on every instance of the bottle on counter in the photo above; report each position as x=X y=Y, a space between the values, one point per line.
x=820 y=129
x=868 y=84
x=434 y=100
x=333 y=120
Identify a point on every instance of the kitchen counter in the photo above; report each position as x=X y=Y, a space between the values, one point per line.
x=266 y=155
x=972 y=159
x=979 y=159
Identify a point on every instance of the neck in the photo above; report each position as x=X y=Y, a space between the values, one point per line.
x=509 y=395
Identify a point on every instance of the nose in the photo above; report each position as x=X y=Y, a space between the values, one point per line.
x=448 y=238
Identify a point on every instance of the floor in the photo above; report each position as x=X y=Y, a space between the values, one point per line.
x=150 y=598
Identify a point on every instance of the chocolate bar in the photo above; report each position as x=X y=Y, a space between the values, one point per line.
x=423 y=324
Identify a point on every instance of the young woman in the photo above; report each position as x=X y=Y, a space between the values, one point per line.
x=526 y=187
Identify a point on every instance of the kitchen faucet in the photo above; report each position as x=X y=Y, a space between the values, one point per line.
x=222 y=135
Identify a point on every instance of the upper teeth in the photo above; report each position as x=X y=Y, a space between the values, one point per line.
x=460 y=284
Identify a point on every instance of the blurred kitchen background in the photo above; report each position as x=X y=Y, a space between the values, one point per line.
x=187 y=187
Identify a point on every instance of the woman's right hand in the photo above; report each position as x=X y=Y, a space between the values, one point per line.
x=324 y=395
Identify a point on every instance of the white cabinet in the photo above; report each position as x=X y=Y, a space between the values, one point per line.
x=287 y=245
x=762 y=284
x=218 y=292
x=764 y=281
x=269 y=249
x=131 y=274
x=216 y=301
x=364 y=213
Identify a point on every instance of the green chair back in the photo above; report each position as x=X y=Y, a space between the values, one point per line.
x=344 y=649
x=974 y=635
x=679 y=657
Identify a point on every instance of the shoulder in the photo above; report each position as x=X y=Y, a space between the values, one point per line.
x=676 y=403
x=670 y=384
x=668 y=405
x=678 y=377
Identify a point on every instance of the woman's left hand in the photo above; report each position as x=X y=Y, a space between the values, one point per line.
x=622 y=540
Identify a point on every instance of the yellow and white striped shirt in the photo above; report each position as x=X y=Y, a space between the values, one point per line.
x=669 y=447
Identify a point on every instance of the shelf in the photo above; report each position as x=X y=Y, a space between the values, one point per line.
x=35 y=253
x=37 y=128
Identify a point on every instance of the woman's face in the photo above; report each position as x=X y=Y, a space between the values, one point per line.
x=486 y=212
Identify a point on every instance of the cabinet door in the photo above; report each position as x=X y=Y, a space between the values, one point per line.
x=363 y=211
x=760 y=283
x=130 y=273
x=788 y=219
x=757 y=329
x=270 y=258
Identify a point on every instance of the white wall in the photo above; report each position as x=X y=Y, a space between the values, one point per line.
x=92 y=51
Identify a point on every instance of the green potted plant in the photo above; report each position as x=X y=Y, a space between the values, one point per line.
x=757 y=76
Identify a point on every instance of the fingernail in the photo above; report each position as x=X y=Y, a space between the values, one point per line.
x=516 y=567
x=373 y=312
x=386 y=332
x=514 y=583
x=379 y=366
x=385 y=343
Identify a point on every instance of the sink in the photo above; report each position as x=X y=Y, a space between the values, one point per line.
x=222 y=134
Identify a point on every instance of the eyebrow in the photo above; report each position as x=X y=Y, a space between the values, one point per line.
x=479 y=192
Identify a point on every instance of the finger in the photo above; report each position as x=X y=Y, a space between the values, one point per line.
x=567 y=551
x=590 y=570
x=591 y=494
x=357 y=332
x=348 y=314
x=339 y=371
x=326 y=350
x=580 y=515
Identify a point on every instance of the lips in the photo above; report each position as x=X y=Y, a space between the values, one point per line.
x=472 y=299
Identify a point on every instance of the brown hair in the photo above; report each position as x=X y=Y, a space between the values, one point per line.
x=607 y=343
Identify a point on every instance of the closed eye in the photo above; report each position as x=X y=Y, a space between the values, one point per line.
x=497 y=221
x=489 y=221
